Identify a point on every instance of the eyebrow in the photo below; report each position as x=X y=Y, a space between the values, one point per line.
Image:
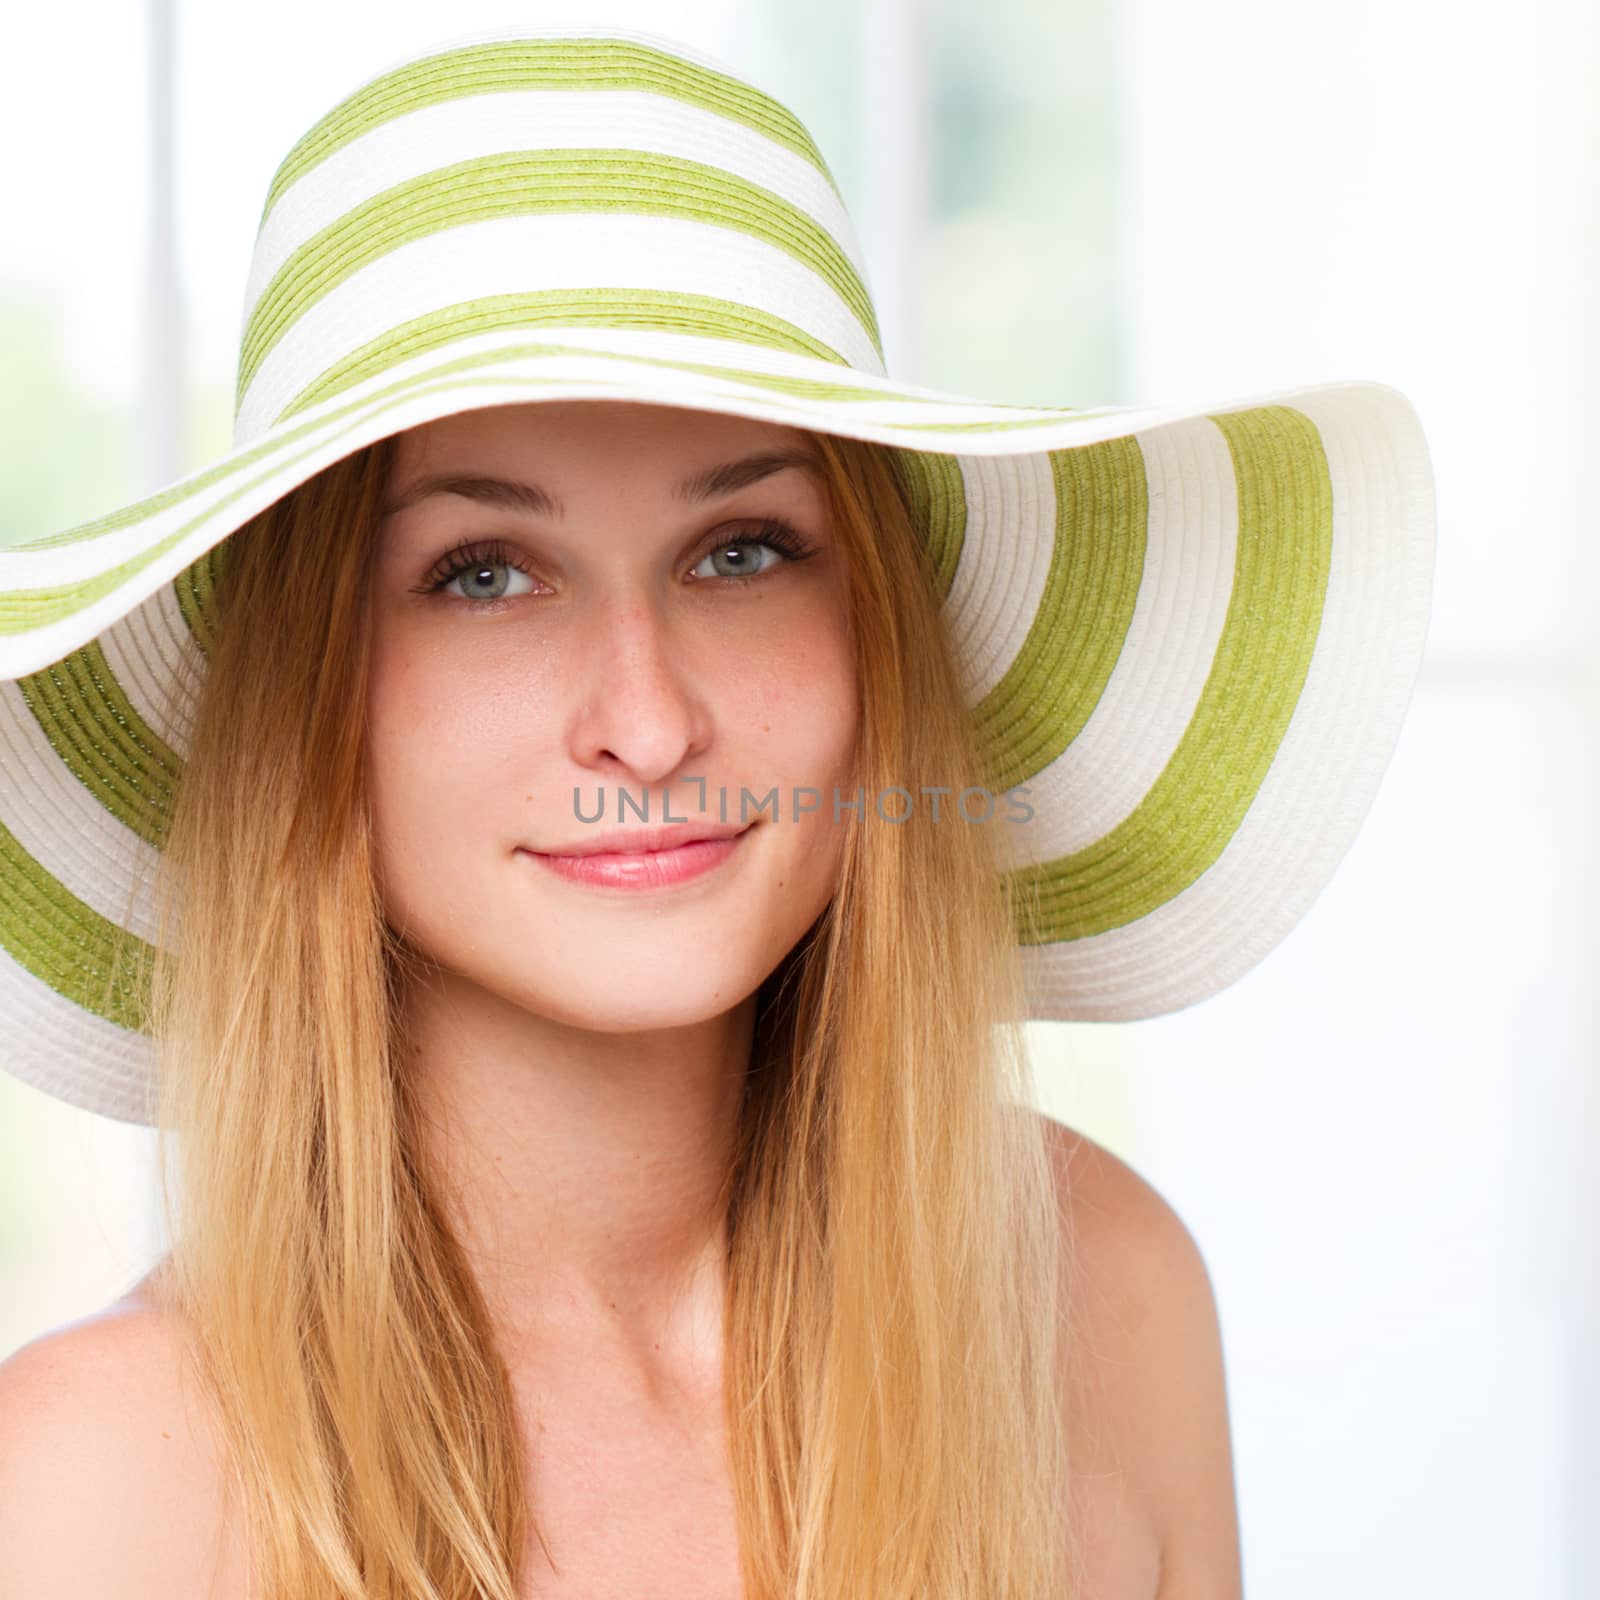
x=513 y=495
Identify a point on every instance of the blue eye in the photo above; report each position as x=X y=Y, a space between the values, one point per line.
x=475 y=564
x=772 y=534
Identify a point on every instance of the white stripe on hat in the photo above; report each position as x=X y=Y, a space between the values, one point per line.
x=526 y=254
x=151 y=652
x=994 y=594
x=110 y=1065
x=1151 y=695
x=64 y=827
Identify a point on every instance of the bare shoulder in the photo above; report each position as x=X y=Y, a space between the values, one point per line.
x=108 y=1469
x=1148 y=1378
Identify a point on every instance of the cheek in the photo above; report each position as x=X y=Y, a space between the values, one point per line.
x=437 y=742
x=798 y=731
x=437 y=705
x=807 y=704
x=406 y=720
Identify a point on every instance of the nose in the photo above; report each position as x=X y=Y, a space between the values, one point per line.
x=639 y=713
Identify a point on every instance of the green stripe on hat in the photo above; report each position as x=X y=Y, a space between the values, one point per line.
x=103 y=741
x=937 y=494
x=1195 y=807
x=195 y=588
x=699 y=314
x=558 y=64
x=534 y=183
x=50 y=932
x=1055 y=681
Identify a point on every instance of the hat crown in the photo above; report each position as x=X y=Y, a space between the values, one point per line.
x=534 y=179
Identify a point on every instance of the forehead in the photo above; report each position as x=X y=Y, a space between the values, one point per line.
x=570 y=437
x=620 y=458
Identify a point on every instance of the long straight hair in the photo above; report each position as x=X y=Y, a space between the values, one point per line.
x=898 y=1257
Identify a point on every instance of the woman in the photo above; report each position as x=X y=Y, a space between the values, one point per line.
x=563 y=1220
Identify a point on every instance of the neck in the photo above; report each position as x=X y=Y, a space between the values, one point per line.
x=582 y=1171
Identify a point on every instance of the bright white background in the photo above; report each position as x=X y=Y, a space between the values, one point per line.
x=1380 y=1136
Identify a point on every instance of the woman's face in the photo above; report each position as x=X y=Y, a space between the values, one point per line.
x=607 y=628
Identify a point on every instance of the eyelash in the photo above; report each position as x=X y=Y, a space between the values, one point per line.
x=466 y=556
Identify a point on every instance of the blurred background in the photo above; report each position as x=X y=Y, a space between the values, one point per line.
x=1380 y=1136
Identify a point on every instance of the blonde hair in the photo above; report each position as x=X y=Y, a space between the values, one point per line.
x=893 y=1373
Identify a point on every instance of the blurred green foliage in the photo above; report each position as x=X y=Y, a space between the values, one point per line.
x=64 y=458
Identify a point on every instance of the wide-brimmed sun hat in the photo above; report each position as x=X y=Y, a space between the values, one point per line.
x=1188 y=632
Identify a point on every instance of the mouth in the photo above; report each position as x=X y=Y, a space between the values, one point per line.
x=637 y=868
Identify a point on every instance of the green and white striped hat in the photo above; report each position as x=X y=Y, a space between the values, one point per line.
x=1189 y=631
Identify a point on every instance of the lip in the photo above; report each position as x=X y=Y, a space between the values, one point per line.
x=635 y=866
x=636 y=841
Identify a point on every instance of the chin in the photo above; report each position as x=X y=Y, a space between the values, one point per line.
x=638 y=1013
x=622 y=992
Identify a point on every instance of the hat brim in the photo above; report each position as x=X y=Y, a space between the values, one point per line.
x=1193 y=631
